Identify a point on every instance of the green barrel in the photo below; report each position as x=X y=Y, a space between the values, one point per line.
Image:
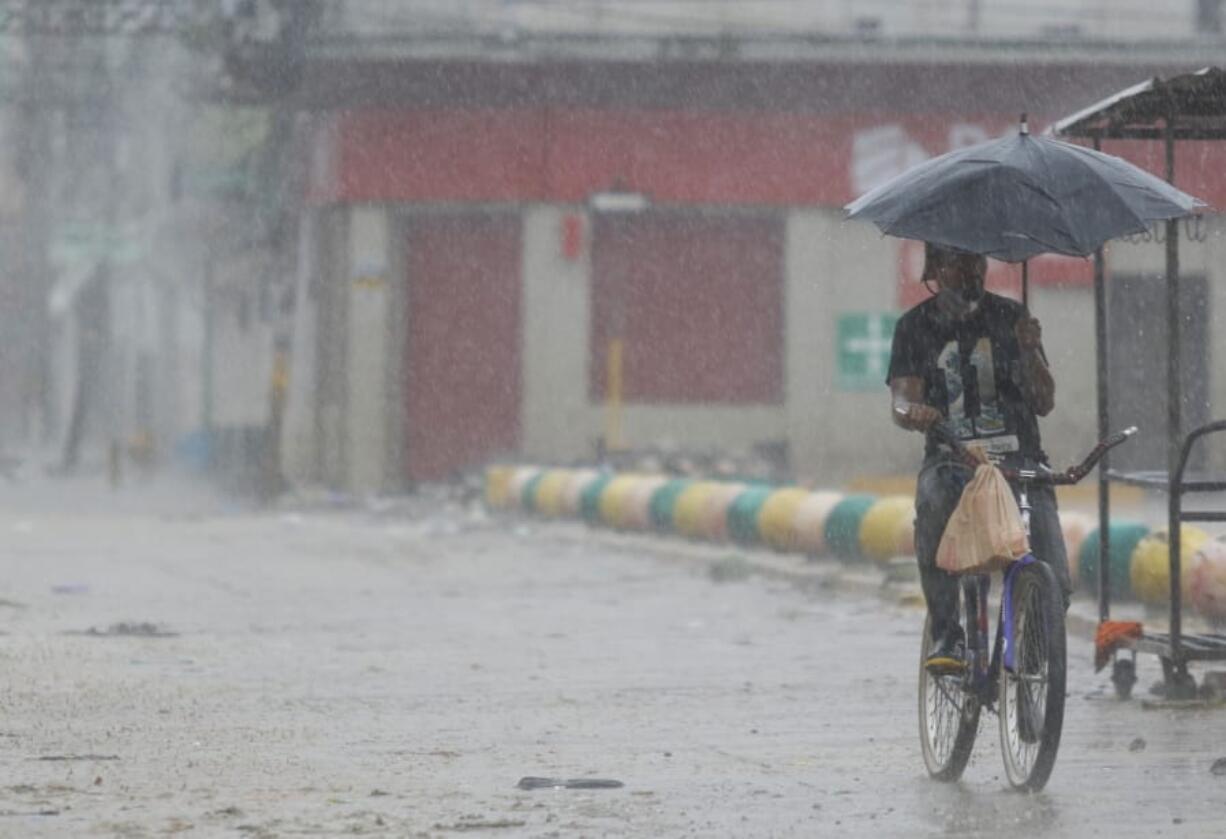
x=589 y=499
x=527 y=498
x=743 y=514
x=843 y=525
x=1124 y=538
x=663 y=500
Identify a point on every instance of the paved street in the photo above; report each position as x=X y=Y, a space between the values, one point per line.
x=214 y=671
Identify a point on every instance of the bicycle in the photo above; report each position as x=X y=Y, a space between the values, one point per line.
x=1024 y=671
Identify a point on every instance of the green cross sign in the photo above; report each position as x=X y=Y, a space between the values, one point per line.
x=863 y=349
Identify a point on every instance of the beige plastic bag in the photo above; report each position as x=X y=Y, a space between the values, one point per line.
x=985 y=532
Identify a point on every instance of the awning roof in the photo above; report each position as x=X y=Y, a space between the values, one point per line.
x=1194 y=105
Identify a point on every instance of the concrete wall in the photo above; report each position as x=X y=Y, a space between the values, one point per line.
x=367 y=283
x=835 y=268
x=299 y=438
x=555 y=418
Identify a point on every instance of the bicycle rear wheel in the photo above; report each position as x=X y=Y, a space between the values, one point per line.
x=948 y=717
x=1031 y=698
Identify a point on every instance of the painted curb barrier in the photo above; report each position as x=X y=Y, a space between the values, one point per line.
x=843 y=525
x=548 y=498
x=809 y=524
x=498 y=486
x=572 y=496
x=1124 y=538
x=527 y=495
x=589 y=501
x=520 y=478
x=1150 y=569
x=687 y=512
x=1207 y=580
x=880 y=526
x=664 y=502
x=825 y=523
x=777 y=518
x=613 y=498
x=713 y=520
x=636 y=509
x=1074 y=528
x=743 y=514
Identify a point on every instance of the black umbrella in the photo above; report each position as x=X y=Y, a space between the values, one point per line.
x=1019 y=196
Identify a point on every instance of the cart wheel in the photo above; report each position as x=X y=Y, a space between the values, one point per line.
x=1124 y=676
x=1178 y=682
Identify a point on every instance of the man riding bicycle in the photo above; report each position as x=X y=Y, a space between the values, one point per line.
x=974 y=361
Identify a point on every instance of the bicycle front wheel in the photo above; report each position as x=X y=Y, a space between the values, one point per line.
x=948 y=718
x=1031 y=698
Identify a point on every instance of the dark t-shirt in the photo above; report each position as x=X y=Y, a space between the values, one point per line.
x=972 y=373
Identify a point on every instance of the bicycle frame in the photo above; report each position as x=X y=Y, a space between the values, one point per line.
x=993 y=677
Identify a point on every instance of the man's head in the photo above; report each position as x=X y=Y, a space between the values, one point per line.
x=958 y=276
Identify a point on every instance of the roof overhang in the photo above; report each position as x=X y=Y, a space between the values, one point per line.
x=1191 y=106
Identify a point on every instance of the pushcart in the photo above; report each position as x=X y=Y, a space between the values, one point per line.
x=1186 y=107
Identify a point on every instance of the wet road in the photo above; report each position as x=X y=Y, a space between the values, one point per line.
x=346 y=673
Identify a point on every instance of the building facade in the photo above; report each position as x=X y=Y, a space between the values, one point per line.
x=482 y=234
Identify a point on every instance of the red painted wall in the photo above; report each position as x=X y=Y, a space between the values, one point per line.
x=698 y=302
x=462 y=363
x=704 y=157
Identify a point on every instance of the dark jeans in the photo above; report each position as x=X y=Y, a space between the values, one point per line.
x=937 y=492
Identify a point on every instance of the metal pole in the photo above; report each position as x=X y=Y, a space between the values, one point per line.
x=1104 y=429
x=613 y=397
x=1026 y=284
x=1174 y=389
x=206 y=373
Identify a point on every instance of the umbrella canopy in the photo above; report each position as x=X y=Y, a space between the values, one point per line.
x=1019 y=196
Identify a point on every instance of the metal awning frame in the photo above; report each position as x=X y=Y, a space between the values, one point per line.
x=1187 y=107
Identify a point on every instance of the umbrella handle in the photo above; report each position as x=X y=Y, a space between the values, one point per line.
x=1026 y=285
x=1026 y=300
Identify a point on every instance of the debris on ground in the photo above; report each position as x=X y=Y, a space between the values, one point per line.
x=129 y=630
x=530 y=782
x=474 y=824
x=730 y=569
x=77 y=757
x=1137 y=745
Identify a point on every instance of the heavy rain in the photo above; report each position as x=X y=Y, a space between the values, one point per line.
x=551 y=418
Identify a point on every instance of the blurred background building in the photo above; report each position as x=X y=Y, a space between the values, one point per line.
x=362 y=244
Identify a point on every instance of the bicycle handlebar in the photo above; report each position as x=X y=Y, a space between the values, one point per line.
x=1042 y=474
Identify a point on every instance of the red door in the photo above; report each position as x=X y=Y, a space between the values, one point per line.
x=698 y=302
x=463 y=347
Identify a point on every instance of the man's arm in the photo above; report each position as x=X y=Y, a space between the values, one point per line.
x=1038 y=386
x=907 y=404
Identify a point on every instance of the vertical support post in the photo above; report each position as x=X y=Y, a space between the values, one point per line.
x=1026 y=285
x=613 y=396
x=206 y=361
x=1104 y=429
x=1174 y=420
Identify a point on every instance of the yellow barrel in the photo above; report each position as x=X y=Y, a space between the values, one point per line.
x=498 y=486
x=879 y=527
x=777 y=518
x=687 y=512
x=1207 y=580
x=713 y=519
x=548 y=500
x=809 y=521
x=613 y=499
x=572 y=494
x=636 y=509
x=1074 y=527
x=519 y=479
x=1150 y=568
